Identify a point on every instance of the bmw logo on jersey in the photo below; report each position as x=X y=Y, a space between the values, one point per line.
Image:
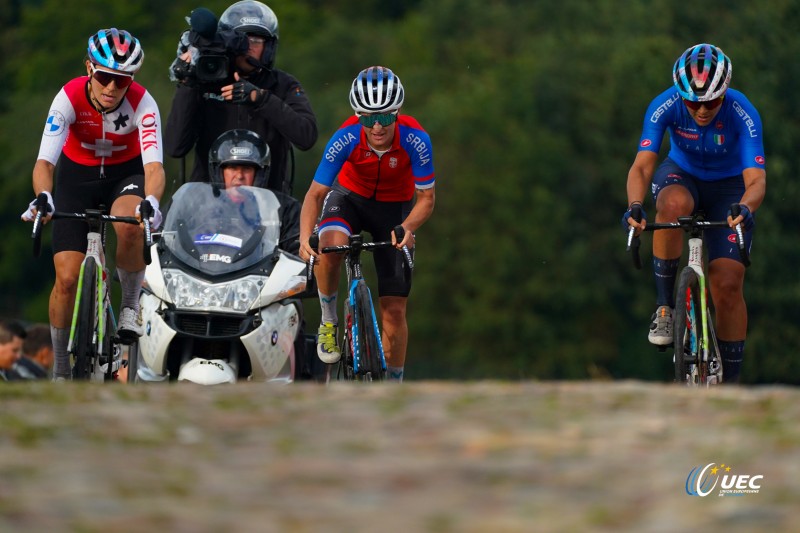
x=55 y=123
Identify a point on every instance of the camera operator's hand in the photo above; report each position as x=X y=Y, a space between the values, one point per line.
x=244 y=92
x=181 y=70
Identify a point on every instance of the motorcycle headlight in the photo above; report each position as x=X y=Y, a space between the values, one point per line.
x=190 y=293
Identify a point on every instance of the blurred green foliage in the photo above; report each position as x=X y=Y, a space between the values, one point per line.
x=535 y=110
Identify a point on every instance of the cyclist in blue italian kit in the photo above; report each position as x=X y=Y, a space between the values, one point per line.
x=716 y=159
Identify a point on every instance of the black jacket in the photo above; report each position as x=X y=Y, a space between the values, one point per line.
x=283 y=119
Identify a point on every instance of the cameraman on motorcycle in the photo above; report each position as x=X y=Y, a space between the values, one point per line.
x=252 y=95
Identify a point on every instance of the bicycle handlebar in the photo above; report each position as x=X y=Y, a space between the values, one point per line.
x=88 y=215
x=399 y=232
x=689 y=224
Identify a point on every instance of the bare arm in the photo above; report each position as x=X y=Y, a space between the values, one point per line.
x=755 y=188
x=420 y=213
x=312 y=206
x=639 y=178
x=43 y=176
x=42 y=181
x=154 y=180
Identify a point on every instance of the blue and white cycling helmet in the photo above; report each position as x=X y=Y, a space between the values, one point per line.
x=117 y=50
x=376 y=90
x=702 y=73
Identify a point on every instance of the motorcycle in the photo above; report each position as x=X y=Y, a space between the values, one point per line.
x=219 y=304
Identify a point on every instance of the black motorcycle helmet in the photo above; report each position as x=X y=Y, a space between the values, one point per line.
x=254 y=18
x=241 y=147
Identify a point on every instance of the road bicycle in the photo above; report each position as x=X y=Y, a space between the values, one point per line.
x=362 y=350
x=696 y=353
x=95 y=350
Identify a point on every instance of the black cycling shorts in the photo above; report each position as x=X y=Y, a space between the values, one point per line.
x=352 y=213
x=714 y=198
x=78 y=187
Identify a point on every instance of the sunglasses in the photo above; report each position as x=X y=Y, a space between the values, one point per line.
x=710 y=104
x=384 y=119
x=104 y=78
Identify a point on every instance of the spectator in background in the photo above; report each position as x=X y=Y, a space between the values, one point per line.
x=10 y=349
x=37 y=353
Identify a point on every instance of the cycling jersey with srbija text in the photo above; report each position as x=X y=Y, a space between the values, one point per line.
x=388 y=177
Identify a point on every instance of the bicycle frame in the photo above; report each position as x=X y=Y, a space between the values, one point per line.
x=695 y=226
x=354 y=276
x=695 y=262
x=103 y=345
x=95 y=250
x=355 y=280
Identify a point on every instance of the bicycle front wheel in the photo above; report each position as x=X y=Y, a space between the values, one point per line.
x=83 y=330
x=686 y=329
x=371 y=365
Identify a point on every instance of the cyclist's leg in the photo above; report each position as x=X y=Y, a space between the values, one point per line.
x=726 y=275
x=75 y=189
x=62 y=301
x=394 y=335
x=394 y=286
x=675 y=195
x=337 y=222
x=129 y=259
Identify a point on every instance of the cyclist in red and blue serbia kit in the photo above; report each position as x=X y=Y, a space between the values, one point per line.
x=371 y=171
x=716 y=159
x=101 y=145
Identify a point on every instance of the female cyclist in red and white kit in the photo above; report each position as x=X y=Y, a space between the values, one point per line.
x=101 y=145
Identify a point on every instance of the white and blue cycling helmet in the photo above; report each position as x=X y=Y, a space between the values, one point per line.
x=702 y=73
x=376 y=90
x=116 y=50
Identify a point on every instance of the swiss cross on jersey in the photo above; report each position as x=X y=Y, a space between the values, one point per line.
x=113 y=136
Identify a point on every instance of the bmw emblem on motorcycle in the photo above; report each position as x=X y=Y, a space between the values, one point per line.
x=274 y=338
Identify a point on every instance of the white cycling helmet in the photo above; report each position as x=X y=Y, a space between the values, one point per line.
x=117 y=50
x=207 y=372
x=702 y=73
x=376 y=90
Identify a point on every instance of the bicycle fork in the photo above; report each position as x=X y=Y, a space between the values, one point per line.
x=696 y=263
x=357 y=348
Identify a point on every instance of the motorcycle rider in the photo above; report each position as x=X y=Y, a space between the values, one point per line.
x=241 y=157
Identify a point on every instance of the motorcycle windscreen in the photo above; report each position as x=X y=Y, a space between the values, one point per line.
x=220 y=231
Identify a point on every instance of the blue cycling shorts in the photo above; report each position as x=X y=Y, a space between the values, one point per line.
x=714 y=198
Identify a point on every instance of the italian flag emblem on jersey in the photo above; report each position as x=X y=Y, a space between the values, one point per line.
x=719 y=139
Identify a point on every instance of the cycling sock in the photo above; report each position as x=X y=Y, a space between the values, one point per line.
x=665 y=271
x=131 y=283
x=732 y=353
x=394 y=373
x=60 y=339
x=328 y=305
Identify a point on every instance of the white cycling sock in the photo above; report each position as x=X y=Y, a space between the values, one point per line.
x=131 y=283
x=60 y=339
x=328 y=305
